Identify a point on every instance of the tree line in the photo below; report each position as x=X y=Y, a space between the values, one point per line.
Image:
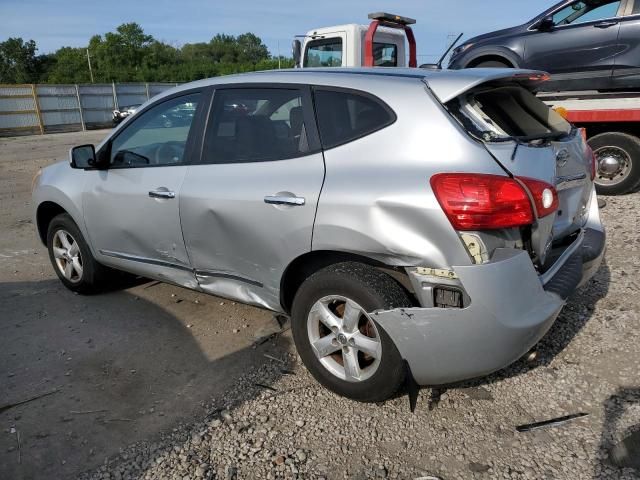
x=130 y=55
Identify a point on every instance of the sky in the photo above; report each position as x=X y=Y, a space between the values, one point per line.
x=56 y=23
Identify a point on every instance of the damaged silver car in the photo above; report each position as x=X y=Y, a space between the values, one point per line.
x=429 y=224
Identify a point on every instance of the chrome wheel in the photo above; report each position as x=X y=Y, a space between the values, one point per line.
x=344 y=338
x=66 y=253
x=614 y=165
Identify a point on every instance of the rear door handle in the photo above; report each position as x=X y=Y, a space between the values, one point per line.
x=281 y=200
x=606 y=24
x=162 y=193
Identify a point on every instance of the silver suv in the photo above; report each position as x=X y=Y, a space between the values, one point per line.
x=411 y=223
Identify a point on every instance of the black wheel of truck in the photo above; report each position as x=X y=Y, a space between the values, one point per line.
x=617 y=162
x=338 y=341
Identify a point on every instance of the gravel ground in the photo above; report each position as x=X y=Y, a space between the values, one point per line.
x=235 y=409
x=292 y=428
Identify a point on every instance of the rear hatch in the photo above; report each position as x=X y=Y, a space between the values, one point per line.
x=530 y=140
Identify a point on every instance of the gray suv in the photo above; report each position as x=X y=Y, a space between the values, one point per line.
x=584 y=44
x=411 y=223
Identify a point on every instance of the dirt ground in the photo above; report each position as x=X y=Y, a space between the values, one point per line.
x=123 y=365
x=136 y=379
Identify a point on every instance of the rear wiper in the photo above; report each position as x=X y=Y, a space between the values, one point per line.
x=526 y=139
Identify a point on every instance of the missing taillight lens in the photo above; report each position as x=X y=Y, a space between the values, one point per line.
x=545 y=196
x=474 y=201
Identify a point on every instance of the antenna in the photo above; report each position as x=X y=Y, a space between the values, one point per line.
x=439 y=64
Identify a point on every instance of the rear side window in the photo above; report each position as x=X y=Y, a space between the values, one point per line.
x=344 y=116
x=506 y=111
x=255 y=125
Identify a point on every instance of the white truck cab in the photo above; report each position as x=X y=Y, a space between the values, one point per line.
x=382 y=43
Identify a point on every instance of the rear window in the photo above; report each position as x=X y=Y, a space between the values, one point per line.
x=506 y=111
x=344 y=116
x=324 y=53
x=385 y=54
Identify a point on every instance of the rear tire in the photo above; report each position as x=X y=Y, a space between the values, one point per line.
x=343 y=294
x=71 y=257
x=492 y=64
x=618 y=163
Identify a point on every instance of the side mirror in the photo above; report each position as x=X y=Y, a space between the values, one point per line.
x=83 y=156
x=296 y=50
x=546 y=24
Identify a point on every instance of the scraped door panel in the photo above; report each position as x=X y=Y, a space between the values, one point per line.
x=132 y=208
x=133 y=231
x=248 y=210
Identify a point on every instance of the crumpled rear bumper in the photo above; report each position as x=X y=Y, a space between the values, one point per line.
x=511 y=309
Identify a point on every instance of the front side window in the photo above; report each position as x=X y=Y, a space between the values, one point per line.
x=344 y=116
x=385 y=54
x=158 y=136
x=255 y=125
x=586 y=11
x=326 y=52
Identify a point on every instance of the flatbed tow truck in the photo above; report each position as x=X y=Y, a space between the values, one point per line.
x=610 y=120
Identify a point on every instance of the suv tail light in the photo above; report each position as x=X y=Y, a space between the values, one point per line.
x=474 y=201
x=545 y=196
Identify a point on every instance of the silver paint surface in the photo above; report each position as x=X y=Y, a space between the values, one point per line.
x=229 y=228
x=509 y=313
x=370 y=197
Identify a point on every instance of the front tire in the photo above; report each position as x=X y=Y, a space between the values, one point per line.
x=339 y=342
x=71 y=257
x=492 y=64
x=618 y=162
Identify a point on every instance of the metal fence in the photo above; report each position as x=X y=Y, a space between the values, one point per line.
x=39 y=109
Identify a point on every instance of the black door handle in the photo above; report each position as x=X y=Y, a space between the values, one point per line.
x=606 y=24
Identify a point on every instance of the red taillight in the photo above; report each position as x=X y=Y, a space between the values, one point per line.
x=545 y=196
x=474 y=201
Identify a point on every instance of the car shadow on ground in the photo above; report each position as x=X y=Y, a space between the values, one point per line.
x=620 y=439
x=116 y=369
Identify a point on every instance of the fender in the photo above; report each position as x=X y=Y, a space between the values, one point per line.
x=57 y=185
x=492 y=51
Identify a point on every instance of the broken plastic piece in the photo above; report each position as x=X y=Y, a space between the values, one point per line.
x=412 y=387
x=436 y=272
x=550 y=423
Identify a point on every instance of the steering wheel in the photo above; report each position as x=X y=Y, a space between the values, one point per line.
x=168 y=153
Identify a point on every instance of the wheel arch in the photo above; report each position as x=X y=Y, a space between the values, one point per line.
x=491 y=57
x=46 y=212
x=307 y=264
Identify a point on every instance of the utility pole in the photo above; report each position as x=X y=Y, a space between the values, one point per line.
x=89 y=62
x=278 y=54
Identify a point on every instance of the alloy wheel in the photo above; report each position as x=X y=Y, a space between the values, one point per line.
x=344 y=338
x=68 y=258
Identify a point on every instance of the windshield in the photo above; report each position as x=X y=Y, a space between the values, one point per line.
x=327 y=52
